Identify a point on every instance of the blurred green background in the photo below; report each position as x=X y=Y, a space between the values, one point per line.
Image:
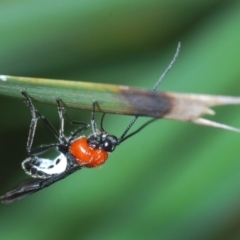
x=171 y=181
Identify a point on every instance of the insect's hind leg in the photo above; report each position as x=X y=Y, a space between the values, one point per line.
x=35 y=117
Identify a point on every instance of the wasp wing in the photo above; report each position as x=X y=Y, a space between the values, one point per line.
x=31 y=185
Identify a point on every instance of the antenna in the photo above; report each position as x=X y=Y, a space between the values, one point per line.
x=124 y=137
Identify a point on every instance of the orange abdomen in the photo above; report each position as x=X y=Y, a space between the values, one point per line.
x=86 y=155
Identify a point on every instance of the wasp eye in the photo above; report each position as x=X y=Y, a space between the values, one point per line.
x=109 y=143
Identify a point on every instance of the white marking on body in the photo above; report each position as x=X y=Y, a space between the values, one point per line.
x=47 y=166
x=57 y=168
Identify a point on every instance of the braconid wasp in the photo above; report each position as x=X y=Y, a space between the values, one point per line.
x=75 y=151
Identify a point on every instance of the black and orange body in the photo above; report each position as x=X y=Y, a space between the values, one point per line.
x=86 y=155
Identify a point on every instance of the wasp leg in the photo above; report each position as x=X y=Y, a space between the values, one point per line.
x=36 y=115
x=63 y=114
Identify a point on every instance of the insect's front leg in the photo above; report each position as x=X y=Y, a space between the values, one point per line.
x=93 y=121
